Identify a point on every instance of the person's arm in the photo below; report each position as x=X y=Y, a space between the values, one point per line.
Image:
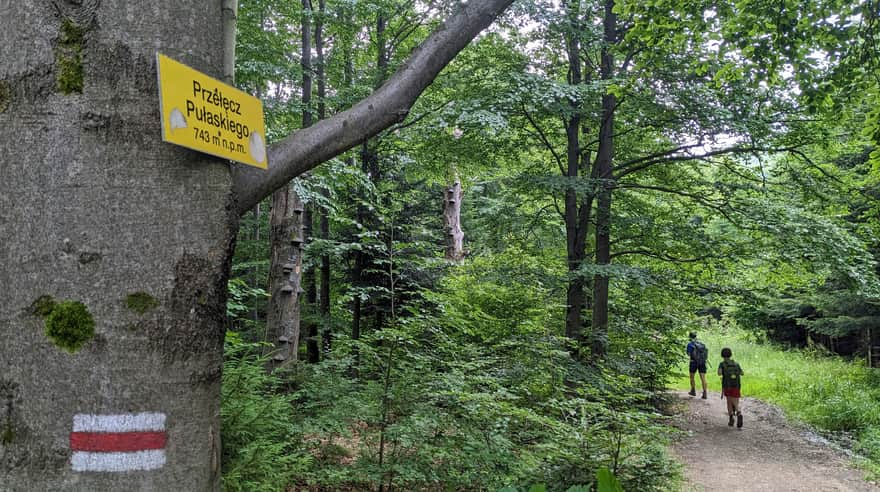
x=719 y=368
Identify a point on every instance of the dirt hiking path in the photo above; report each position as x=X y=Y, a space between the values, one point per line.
x=767 y=454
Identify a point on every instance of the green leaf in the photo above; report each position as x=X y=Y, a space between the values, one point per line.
x=607 y=482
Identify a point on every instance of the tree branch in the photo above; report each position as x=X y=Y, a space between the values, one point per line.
x=412 y=121
x=697 y=198
x=309 y=147
x=543 y=138
x=664 y=257
x=667 y=156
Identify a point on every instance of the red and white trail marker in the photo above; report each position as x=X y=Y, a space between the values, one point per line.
x=118 y=443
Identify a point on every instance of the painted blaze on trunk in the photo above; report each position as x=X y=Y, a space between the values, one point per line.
x=115 y=248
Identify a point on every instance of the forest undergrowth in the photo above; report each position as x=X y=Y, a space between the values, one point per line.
x=432 y=403
x=434 y=422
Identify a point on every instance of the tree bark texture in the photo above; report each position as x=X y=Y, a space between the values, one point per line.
x=95 y=209
x=230 y=16
x=285 y=273
x=452 y=222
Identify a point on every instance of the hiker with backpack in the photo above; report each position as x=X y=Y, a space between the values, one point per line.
x=730 y=373
x=698 y=354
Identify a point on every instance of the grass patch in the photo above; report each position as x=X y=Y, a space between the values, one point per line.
x=829 y=393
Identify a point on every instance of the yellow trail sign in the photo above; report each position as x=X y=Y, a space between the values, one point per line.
x=202 y=113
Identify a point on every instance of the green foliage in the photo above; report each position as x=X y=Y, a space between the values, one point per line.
x=240 y=293
x=432 y=401
x=70 y=325
x=607 y=482
x=460 y=379
x=491 y=407
x=141 y=302
x=261 y=446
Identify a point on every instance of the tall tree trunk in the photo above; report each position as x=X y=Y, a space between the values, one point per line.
x=306 y=63
x=282 y=316
x=323 y=220
x=452 y=222
x=604 y=158
x=578 y=209
x=313 y=336
x=129 y=236
x=230 y=14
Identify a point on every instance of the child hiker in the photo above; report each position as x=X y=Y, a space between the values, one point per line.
x=731 y=373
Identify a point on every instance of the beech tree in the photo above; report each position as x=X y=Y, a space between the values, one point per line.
x=116 y=246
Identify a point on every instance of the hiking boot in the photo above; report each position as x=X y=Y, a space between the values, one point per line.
x=704 y=395
x=730 y=422
x=692 y=392
x=739 y=420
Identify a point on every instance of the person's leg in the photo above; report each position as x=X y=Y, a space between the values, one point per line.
x=692 y=370
x=739 y=415
x=703 y=380
x=730 y=411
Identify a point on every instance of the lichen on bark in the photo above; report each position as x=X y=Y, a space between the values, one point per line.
x=43 y=306
x=4 y=96
x=141 y=302
x=69 y=57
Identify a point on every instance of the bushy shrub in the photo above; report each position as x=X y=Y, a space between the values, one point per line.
x=261 y=446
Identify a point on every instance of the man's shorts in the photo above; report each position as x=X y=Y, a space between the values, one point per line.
x=697 y=367
x=731 y=392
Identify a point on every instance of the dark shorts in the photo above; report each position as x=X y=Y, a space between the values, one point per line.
x=731 y=392
x=697 y=367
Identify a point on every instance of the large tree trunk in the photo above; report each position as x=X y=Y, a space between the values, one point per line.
x=96 y=209
x=604 y=157
x=132 y=236
x=282 y=313
x=323 y=220
x=578 y=209
x=310 y=276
